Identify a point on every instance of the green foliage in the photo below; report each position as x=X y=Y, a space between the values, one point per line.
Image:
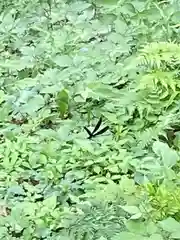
x=62 y=100
x=64 y=64
x=164 y=200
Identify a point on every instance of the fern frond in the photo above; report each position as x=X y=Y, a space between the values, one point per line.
x=156 y=55
x=150 y=134
x=165 y=79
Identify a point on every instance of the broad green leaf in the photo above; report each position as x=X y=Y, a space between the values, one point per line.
x=33 y=105
x=168 y=156
x=113 y=169
x=120 y=26
x=130 y=209
x=175 y=235
x=170 y=225
x=102 y=238
x=50 y=202
x=63 y=61
x=155 y=237
x=107 y=1
x=136 y=216
x=139 y=5
x=126 y=236
x=84 y=144
x=97 y=169
x=79 y=6
x=136 y=227
x=16 y=190
x=104 y=91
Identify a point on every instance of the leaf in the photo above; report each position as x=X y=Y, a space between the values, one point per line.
x=97 y=169
x=137 y=227
x=62 y=101
x=104 y=91
x=169 y=156
x=101 y=180
x=176 y=235
x=33 y=105
x=107 y=1
x=126 y=236
x=113 y=169
x=170 y=225
x=139 y=6
x=155 y=237
x=50 y=202
x=63 y=61
x=79 y=6
x=130 y=209
x=102 y=238
x=2 y=96
x=136 y=216
x=16 y=190
x=120 y=26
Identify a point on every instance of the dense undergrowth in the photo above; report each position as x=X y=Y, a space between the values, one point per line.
x=63 y=65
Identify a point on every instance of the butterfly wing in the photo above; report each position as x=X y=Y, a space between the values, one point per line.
x=101 y=131
x=97 y=126
x=89 y=132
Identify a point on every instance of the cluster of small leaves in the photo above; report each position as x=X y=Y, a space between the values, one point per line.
x=63 y=65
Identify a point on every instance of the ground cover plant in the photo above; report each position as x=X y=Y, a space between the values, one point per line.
x=89 y=120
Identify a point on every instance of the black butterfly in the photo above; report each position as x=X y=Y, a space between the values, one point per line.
x=94 y=132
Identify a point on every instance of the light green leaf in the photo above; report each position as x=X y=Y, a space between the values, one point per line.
x=97 y=169
x=136 y=227
x=104 y=91
x=34 y=104
x=62 y=101
x=175 y=235
x=126 y=236
x=50 y=202
x=155 y=237
x=2 y=96
x=63 y=61
x=16 y=190
x=170 y=225
x=113 y=169
x=136 y=216
x=130 y=209
x=102 y=238
x=168 y=156
x=107 y=1
x=120 y=26
x=79 y=6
